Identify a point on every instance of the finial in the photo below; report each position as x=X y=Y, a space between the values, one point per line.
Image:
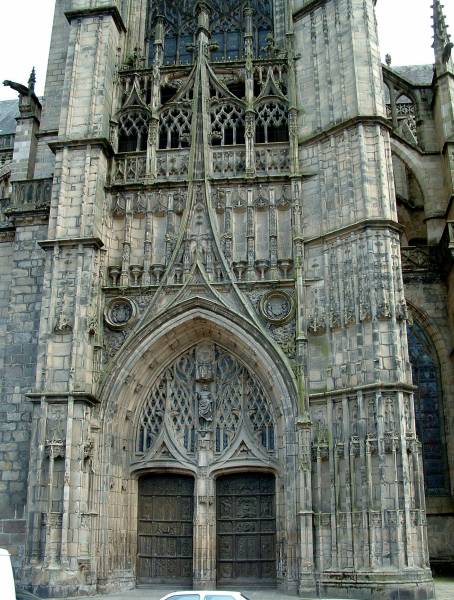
x=442 y=40
x=388 y=59
x=32 y=80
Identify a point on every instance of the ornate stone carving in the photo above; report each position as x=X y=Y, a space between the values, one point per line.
x=120 y=313
x=63 y=323
x=277 y=307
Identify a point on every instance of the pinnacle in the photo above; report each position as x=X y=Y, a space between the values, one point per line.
x=442 y=40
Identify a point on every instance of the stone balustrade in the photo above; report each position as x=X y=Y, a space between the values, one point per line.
x=32 y=194
x=419 y=258
x=129 y=168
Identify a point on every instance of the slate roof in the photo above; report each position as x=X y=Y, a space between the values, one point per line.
x=8 y=113
x=416 y=74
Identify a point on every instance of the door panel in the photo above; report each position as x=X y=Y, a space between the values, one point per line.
x=246 y=529
x=165 y=515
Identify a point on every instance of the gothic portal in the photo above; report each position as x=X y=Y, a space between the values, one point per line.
x=226 y=252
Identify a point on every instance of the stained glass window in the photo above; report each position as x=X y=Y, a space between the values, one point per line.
x=428 y=409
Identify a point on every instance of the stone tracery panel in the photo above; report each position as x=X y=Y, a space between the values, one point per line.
x=175 y=128
x=221 y=396
x=227 y=125
x=133 y=131
x=271 y=123
x=228 y=24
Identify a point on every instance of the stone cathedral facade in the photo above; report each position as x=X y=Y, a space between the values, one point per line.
x=226 y=303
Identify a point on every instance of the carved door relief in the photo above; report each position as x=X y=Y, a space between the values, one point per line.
x=246 y=529
x=165 y=523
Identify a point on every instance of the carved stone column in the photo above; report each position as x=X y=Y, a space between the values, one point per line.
x=306 y=585
x=205 y=507
x=249 y=137
x=205 y=520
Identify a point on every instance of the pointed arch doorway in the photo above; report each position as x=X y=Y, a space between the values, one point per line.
x=165 y=529
x=246 y=529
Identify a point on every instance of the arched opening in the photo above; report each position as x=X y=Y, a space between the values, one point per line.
x=165 y=529
x=246 y=529
x=271 y=123
x=428 y=409
x=251 y=401
x=206 y=389
x=133 y=132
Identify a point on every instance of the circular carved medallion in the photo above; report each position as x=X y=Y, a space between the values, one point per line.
x=120 y=312
x=277 y=307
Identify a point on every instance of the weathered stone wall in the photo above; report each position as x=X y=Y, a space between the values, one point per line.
x=55 y=77
x=21 y=280
x=440 y=529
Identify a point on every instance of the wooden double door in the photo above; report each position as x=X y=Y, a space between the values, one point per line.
x=246 y=529
x=165 y=516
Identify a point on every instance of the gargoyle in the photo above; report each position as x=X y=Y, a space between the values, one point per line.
x=23 y=90
x=18 y=87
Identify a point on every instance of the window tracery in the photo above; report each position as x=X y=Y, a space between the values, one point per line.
x=227 y=125
x=406 y=116
x=428 y=409
x=271 y=124
x=175 y=128
x=133 y=131
x=237 y=397
x=228 y=26
x=180 y=23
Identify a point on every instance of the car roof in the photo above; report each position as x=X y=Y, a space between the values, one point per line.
x=211 y=592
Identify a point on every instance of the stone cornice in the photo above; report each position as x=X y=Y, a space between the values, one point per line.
x=47 y=133
x=112 y=10
x=333 y=129
x=359 y=225
x=94 y=242
x=398 y=386
x=440 y=76
x=62 y=397
x=104 y=143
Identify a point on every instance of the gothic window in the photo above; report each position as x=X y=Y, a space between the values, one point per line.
x=227 y=30
x=227 y=125
x=175 y=128
x=263 y=24
x=180 y=24
x=271 y=123
x=406 y=116
x=228 y=27
x=133 y=132
x=233 y=397
x=428 y=409
x=175 y=393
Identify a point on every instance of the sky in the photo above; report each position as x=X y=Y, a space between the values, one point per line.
x=404 y=29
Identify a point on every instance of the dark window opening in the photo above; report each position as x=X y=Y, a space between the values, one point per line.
x=277 y=134
x=237 y=88
x=163 y=140
x=167 y=93
x=428 y=410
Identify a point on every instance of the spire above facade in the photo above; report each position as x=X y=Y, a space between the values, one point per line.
x=442 y=40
